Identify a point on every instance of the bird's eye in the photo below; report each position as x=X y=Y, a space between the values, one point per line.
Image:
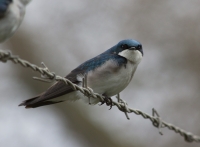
x=124 y=46
x=139 y=47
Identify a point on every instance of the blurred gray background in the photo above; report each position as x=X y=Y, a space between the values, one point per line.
x=64 y=33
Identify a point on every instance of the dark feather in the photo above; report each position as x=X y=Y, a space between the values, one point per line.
x=42 y=104
x=39 y=104
x=26 y=102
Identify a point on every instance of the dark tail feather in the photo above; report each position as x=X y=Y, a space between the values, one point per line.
x=31 y=104
x=27 y=102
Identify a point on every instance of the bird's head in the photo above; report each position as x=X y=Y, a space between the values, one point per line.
x=129 y=49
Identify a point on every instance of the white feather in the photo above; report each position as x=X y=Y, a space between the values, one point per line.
x=12 y=19
x=134 y=56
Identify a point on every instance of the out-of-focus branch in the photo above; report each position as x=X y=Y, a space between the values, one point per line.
x=157 y=122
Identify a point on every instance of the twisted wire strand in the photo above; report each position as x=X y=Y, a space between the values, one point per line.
x=156 y=121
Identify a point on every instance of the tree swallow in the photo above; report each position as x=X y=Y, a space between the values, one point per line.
x=11 y=15
x=108 y=74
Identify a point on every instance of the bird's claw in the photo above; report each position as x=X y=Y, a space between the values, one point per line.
x=108 y=102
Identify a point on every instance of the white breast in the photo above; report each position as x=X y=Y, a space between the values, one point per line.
x=111 y=79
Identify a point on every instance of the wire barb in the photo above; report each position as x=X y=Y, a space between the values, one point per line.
x=119 y=100
x=43 y=77
x=5 y=57
x=157 y=122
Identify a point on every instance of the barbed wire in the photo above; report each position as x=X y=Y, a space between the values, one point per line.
x=121 y=105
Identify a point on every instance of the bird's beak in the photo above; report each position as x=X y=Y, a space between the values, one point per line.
x=132 y=48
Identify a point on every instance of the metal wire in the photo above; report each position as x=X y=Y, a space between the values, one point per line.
x=155 y=118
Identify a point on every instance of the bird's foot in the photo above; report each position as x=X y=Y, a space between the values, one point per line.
x=108 y=101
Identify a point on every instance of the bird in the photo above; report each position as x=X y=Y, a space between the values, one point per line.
x=11 y=15
x=107 y=74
